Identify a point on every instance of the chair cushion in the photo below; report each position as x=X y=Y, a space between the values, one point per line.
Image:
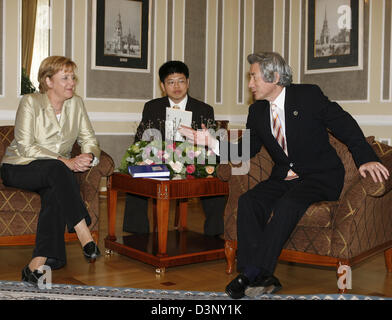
x=319 y=214
x=18 y=212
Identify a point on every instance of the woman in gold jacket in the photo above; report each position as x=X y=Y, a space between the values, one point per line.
x=39 y=159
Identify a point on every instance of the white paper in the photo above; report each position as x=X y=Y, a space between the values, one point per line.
x=175 y=118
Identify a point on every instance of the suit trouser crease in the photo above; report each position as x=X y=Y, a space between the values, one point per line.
x=267 y=215
x=136 y=218
x=61 y=202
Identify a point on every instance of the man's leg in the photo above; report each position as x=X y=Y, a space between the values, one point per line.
x=214 y=208
x=285 y=213
x=254 y=212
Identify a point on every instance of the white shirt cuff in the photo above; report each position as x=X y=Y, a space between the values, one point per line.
x=215 y=149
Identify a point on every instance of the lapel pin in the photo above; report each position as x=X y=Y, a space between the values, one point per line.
x=295 y=113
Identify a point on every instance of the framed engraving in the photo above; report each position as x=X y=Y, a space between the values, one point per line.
x=120 y=35
x=334 y=40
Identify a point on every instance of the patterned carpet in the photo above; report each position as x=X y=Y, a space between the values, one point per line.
x=14 y=290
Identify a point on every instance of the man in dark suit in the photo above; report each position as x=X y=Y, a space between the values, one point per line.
x=292 y=122
x=174 y=81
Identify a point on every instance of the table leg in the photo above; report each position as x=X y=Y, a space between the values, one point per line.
x=112 y=210
x=181 y=213
x=162 y=224
x=154 y=215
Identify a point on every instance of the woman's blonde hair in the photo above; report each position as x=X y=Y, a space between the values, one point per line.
x=50 y=66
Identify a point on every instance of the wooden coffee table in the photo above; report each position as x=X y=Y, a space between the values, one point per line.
x=162 y=248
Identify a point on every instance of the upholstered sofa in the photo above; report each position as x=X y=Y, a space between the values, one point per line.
x=19 y=209
x=342 y=232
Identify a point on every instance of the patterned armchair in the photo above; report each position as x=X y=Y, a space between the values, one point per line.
x=19 y=209
x=342 y=232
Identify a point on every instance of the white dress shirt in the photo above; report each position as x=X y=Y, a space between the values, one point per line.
x=181 y=104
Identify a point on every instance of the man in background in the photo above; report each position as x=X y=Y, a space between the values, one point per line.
x=174 y=81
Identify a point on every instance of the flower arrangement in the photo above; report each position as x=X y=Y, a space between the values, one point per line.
x=182 y=158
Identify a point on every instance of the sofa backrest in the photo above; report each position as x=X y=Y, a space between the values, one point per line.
x=6 y=137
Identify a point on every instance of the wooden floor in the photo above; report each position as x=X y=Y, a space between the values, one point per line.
x=369 y=278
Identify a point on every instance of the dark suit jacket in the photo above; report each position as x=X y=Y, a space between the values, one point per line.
x=154 y=115
x=308 y=117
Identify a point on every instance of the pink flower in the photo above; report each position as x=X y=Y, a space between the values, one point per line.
x=190 y=168
x=160 y=154
x=171 y=146
x=191 y=154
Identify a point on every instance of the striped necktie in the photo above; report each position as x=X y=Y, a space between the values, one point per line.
x=277 y=128
x=279 y=136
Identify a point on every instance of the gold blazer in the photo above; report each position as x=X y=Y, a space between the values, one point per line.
x=39 y=135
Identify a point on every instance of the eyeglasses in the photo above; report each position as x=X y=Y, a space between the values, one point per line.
x=173 y=82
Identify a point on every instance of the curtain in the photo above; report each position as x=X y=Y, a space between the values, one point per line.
x=29 y=12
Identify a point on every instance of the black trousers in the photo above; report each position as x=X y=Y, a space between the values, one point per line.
x=136 y=219
x=268 y=213
x=61 y=203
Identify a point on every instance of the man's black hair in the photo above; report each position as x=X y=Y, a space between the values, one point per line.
x=171 y=67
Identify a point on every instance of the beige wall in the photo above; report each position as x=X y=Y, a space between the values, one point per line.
x=229 y=30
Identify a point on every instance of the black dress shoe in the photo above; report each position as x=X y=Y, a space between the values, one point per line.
x=31 y=276
x=236 y=288
x=262 y=285
x=91 y=251
x=54 y=263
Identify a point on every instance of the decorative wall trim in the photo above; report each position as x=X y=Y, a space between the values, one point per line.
x=363 y=120
x=69 y=27
x=220 y=41
x=169 y=31
x=386 y=56
x=263 y=25
x=287 y=30
x=206 y=54
x=3 y=36
x=19 y=53
x=241 y=53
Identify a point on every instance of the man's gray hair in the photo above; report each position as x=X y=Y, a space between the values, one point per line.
x=271 y=62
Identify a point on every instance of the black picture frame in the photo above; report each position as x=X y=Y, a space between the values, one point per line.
x=123 y=48
x=342 y=50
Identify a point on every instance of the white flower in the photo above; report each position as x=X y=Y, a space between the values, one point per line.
x=148 y=161
x=197 y=153
x=177 y=166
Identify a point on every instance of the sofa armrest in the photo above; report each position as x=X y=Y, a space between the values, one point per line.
x=223 y=171
x=361 y=222
x=90 y=182
x=93 y=176
x=380 y=188
x=254 y=171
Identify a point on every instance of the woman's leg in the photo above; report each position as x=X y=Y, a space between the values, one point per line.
x=61 y=204
x=83 y=233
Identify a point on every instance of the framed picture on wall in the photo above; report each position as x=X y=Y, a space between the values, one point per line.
x=334 y=35
x=120 y=35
